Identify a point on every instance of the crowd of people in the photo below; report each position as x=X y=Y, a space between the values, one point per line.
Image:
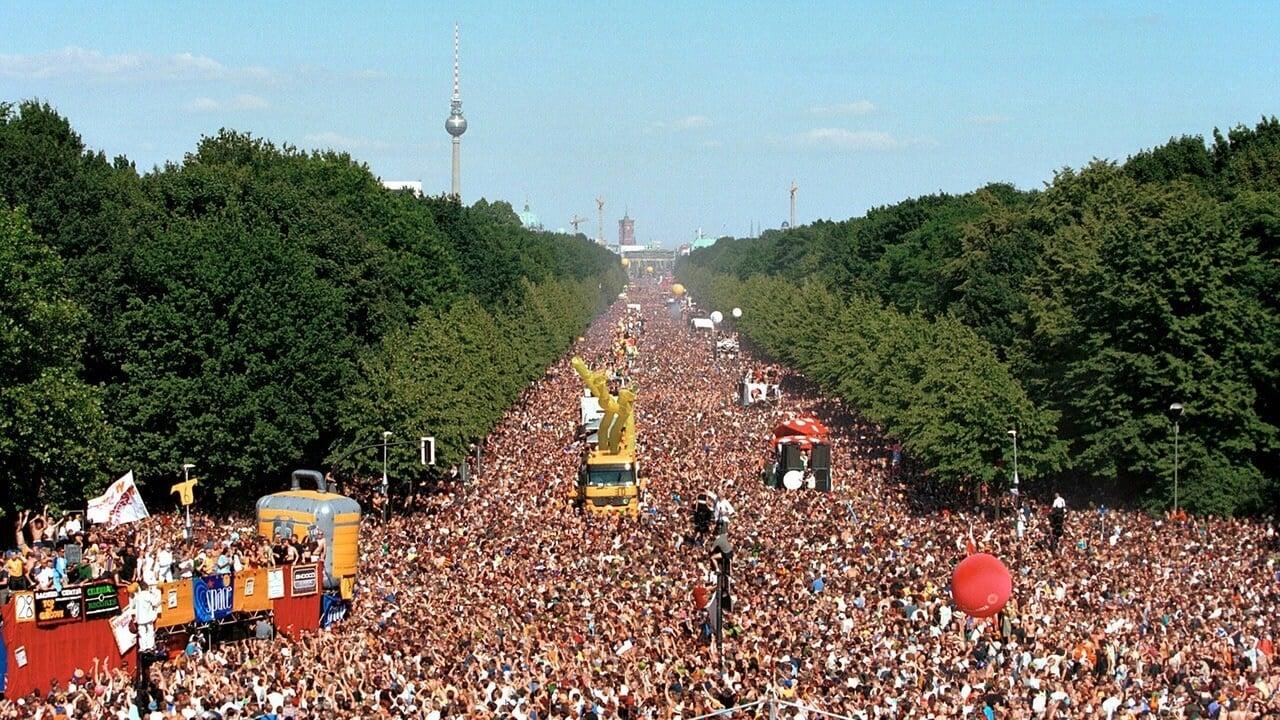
x=499 y=600
x=152 y=550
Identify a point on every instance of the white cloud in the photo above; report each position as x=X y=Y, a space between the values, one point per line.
x=991 y=119
x=203 y=105
x=239 y=102
x=337 y=141
x=81 y=63
x=857 y=107
x=853 y=140
x=689 y=122
x=249 y=102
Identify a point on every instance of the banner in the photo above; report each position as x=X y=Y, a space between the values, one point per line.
x=305 y=580
x=120 y=504
x=332 y=610
x=125 y=639
x=55 y=607
x=101 y=600
x=275 y=583
x=251 y=591
x=347 y=587
x=213 y=597
x=176 y=607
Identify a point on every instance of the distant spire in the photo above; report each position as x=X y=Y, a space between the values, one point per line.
x=457 y=88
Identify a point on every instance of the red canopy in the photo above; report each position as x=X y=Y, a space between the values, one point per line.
x=805 y=430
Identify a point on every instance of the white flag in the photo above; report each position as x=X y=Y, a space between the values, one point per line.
x=120 y=504
x=125 y=638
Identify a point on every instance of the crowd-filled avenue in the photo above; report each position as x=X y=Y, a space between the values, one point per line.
x=497 y=598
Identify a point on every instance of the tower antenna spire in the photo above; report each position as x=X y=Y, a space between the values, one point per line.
x=457 y=86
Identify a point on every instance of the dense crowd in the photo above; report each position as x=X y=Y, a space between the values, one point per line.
x=153 y=550
x=499 y=600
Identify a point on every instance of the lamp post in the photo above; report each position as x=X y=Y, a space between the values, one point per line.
x=722 y=557
x=1014 y=433
x=186 y=477
x=717 y=317
x=1175 y=414
x=1015 y=491
x=386 y=497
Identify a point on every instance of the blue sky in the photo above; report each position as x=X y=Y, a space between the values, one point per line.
x=688 y=114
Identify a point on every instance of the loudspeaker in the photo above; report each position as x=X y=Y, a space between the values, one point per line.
x=822 y=479
x=791 y=457
x=820 y=457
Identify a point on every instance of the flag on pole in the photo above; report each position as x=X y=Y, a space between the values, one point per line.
x=120 y=504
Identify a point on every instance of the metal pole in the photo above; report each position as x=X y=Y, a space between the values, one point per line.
x=186 y=477
x=386 y=495
x=1175 y=467
x=1015 y=459
x=1017 y=515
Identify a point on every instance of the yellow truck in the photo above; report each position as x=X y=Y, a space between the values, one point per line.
x=609 y=478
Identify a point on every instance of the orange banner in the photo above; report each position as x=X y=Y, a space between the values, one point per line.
x=176 y=606
x=251 y=591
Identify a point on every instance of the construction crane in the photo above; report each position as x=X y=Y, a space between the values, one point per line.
x=794 y=188
x=575 y=221
x=600 y=226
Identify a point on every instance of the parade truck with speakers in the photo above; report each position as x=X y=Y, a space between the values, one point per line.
x=609 y=479
x=800 y=451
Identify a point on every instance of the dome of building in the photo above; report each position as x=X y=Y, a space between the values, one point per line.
x=456 y=125
x=703 y=241
x=529 y=219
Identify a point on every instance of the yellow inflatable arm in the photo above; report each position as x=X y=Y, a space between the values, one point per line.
x=185 y=490
x=617 y=427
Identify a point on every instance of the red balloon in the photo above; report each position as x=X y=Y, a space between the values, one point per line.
x=981 y=585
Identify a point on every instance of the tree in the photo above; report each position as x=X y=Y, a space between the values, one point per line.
x=54 y=442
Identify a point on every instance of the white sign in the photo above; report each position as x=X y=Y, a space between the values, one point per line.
x=275 y=583
x=20 y=655
x=25 y=607
x=249 y=582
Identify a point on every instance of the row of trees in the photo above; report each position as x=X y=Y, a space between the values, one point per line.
x=1114 y=291
x=253 y=309
x=932 y=383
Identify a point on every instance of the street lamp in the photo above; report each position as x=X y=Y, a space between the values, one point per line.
x=1014 y=433
x=186 y=478
x=717 y=317
x=1015 y=491
x=722 y=558
x=386 y=498
x=1175 y=414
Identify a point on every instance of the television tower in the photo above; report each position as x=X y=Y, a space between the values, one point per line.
x=456 y=124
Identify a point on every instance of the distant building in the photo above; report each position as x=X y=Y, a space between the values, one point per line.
x=626 y=231
x=529 y=219
x=414 y=185
x=702 y=241
x=684 y=249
